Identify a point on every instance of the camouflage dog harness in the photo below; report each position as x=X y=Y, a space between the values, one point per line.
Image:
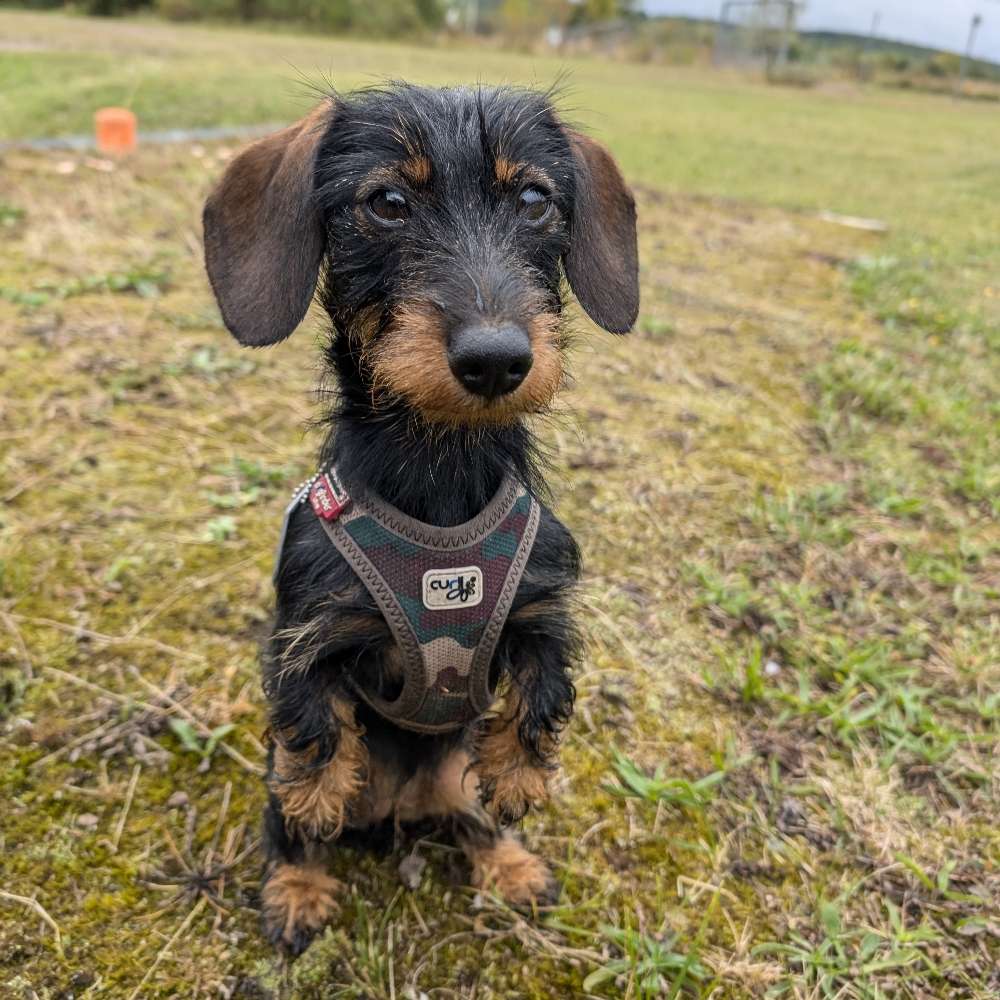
x=445 y=593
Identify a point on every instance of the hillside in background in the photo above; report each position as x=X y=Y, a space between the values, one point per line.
x=827 y=41
x=802 y=58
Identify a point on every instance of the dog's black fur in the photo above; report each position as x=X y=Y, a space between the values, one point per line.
x=466 y=250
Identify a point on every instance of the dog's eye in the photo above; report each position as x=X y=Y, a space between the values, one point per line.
x=534 y=204
x=389 y=207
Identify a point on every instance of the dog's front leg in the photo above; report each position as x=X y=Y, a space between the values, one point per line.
x=516 y=750
x=316 y=784
x=311 y=787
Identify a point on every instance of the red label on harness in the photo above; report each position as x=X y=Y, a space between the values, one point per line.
x=326 y=500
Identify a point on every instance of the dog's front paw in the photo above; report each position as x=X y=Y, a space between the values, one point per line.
x=297 y=901
x=514 y=873
x=508 y=796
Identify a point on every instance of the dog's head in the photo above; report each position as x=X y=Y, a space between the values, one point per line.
x=442 y=221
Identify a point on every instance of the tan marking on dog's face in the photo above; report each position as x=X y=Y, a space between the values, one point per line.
x=317 y=801
x=506 y=170
x=508 y=868
x=299 y=898
x=413 y=172
x=508 y=173
x=364 y=326
x=410 y=361
x=416 y=170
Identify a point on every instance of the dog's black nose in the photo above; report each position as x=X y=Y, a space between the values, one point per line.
x=490 y=360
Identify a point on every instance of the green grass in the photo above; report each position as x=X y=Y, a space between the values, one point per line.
x=920 y=163
x=781 y=777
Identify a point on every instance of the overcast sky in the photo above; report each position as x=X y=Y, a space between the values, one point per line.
x=942 y=24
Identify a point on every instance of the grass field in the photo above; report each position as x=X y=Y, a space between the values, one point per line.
x=781 y=777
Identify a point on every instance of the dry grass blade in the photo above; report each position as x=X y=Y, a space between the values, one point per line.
x=36 y=907
x=110 y=640
x=11 y=626
x=166 y=949
x=123 y=817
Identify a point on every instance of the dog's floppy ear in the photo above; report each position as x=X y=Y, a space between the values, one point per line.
x=264 y=239
x=602 y=262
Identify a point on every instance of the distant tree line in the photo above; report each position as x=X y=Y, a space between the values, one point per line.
x=375 y=17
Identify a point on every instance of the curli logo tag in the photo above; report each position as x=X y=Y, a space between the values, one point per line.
x=453 y=588
x=328 y=498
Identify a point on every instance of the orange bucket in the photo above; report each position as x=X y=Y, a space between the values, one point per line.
x=116 y=131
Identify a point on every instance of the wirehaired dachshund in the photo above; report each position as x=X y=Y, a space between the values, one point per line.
x=420 y=660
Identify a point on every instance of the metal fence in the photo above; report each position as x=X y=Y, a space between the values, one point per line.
x=755 y=32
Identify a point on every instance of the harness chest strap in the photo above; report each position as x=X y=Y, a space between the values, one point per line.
x=445 y=593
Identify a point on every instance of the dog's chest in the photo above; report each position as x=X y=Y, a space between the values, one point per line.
x=444 y=593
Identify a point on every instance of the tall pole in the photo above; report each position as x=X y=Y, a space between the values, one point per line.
x=963 y=66
x=719 y=30
x=787 y=29
x=864 y=67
